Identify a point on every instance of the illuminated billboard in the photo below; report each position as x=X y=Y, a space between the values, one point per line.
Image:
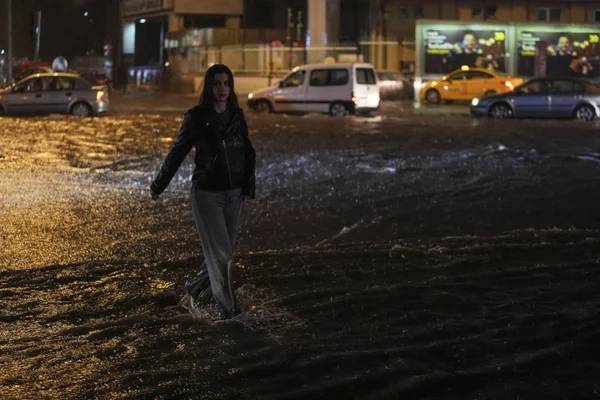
x=559 y=53
x=449 y=49
x=518 y=49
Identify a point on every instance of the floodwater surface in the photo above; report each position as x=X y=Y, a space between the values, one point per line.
x=395 y=256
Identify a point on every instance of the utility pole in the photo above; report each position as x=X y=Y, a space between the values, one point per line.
x=289 y=26
x=299 y=38
x=288 y=35
x=10 y=44
x=383 y=9
x=299 y=26
x=357 y=30
x=38 y=32
x=115 y=31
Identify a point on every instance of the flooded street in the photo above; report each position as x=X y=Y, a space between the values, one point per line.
x=404 y=255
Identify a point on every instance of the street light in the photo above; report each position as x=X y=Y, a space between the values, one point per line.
x=9 y=29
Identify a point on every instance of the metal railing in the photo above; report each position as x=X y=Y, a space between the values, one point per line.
x=266 y=59
x=186 y=65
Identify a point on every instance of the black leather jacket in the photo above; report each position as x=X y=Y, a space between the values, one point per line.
x=225 y=158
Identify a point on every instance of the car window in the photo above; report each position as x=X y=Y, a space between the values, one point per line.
x=459 y=76
x=295 y=79
x=319 y=77
x=365 y=76
x=338 y=77
x=478 y=75
x=534 y=87
x=329 y=77
x=62 y=83
x=30 y=85
x=81 y=84
x=565 y=86
x=46 y=83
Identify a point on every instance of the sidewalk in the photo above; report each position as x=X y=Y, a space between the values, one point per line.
x=157 y=102
x=149 y=102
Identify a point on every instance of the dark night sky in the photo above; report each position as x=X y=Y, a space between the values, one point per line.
x=65 y=30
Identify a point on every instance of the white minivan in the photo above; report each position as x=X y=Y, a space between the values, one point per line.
x=338 y=89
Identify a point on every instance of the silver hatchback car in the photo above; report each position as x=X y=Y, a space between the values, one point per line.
x=54 y=92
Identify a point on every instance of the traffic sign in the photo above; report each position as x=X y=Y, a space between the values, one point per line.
x=60 y=64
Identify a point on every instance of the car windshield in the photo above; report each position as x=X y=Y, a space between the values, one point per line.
x=532 y=87
x=294 y=79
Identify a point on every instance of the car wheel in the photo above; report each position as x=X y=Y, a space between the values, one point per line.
x=81 y=110
x=584 y=113
x=501 y=111
x=2 y=112
x=489 y=93
x=262 y=106
x=433 y=96
x=338 y=110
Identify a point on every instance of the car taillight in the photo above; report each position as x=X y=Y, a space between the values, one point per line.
x=354 y=98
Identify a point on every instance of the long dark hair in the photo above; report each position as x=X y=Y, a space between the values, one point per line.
x=206 y=97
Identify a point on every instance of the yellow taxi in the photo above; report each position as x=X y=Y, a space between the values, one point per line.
x=467 y=83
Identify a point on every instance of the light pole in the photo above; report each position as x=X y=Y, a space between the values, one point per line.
x=9 y=29
x=38 y=32
x=288 y=35
x=299 y=26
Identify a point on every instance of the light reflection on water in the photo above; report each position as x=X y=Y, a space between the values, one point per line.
x=380 y=257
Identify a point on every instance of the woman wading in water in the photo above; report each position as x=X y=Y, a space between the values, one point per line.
x=223 y=177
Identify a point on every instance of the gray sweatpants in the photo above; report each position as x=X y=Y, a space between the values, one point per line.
x=218 y=215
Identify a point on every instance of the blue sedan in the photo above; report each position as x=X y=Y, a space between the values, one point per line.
x=543 y=98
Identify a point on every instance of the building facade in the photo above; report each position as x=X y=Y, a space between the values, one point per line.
x=146 y=24
x=181 y=38
x=177 y=39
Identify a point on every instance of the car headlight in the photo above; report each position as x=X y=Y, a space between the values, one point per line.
x=250 y=96
x=475 y=102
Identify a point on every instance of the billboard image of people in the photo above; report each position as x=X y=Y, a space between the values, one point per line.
x=559 y=54
x=447 y=50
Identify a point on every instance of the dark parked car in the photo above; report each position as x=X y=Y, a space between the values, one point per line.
x=543 y=98
x=54 y=93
